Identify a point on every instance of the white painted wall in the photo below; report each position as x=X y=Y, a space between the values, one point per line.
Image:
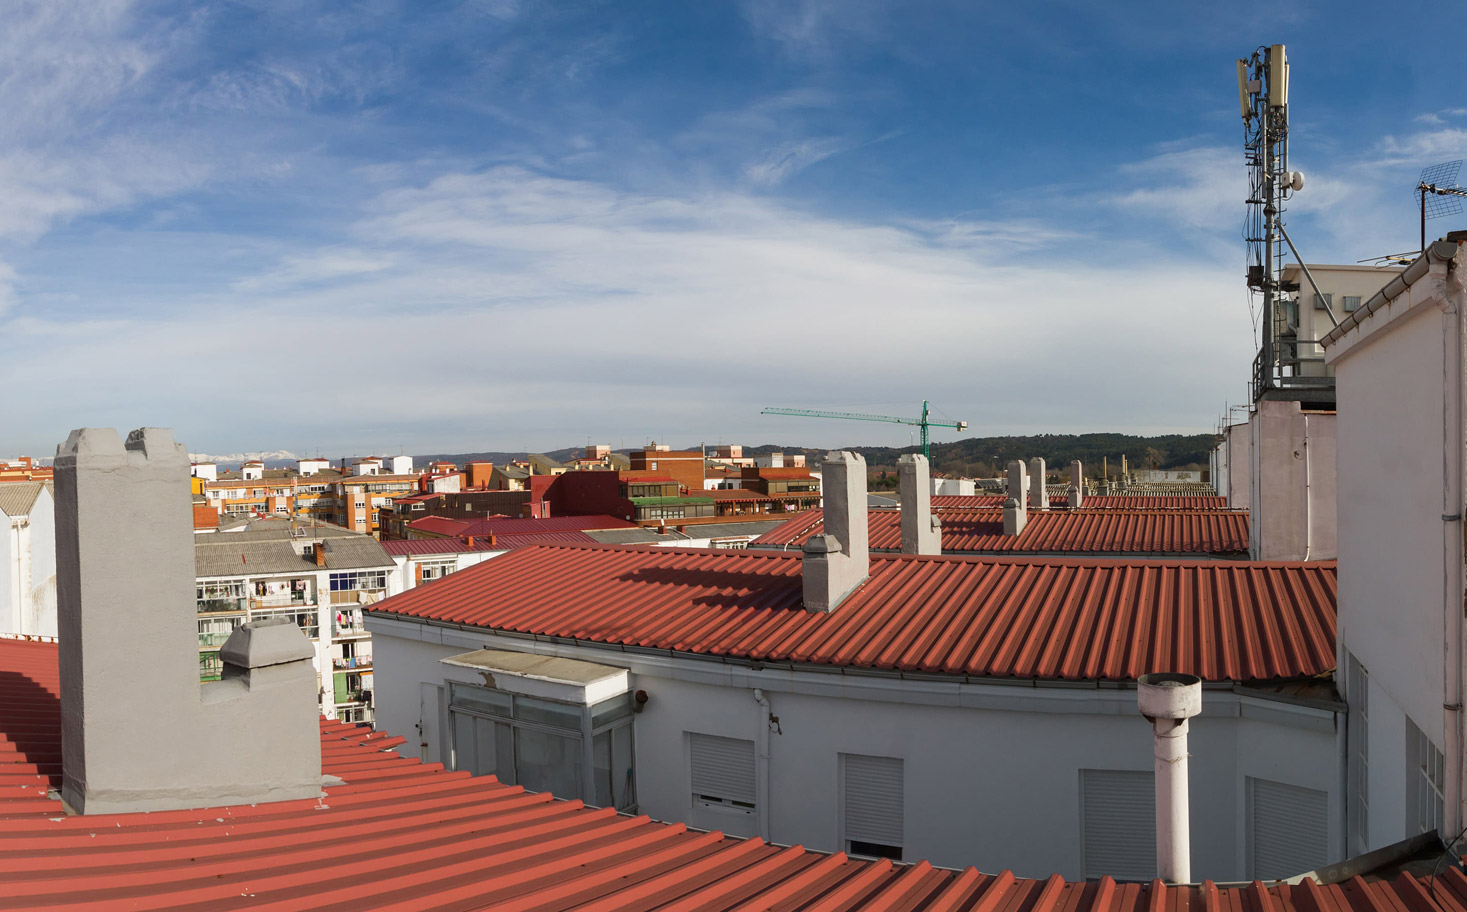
x=1398 y=385
x=961 y=487
x=992 y=772
x=28 y=569
x=1292 y=483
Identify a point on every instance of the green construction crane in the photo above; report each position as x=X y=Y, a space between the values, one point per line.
x=924 y=422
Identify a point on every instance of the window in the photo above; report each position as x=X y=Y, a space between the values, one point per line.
x=220 y=595
x=433 y=570
x=1352 y=303
x=652 y=466
x=872 y=805
x=1288 y=829
x=1425 y=782
x=1118 y=824
x=352 y=580
x=722 y=772
x=541 y=744
x=1357 y=694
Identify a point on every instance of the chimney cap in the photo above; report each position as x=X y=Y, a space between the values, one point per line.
x=1169 y=695
x=822 y=544
x=269 y=641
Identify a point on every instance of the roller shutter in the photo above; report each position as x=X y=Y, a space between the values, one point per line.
x=1288 y=829
x=722 y=769
x=1118 y=822
x=874 y=807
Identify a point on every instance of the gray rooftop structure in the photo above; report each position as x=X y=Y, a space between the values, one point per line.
x=269 y=552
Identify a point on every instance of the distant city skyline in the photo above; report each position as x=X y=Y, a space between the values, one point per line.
x=505 y=226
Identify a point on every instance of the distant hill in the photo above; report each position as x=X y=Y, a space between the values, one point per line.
x=975 y=456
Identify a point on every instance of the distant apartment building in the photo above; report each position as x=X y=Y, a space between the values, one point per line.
x=23 y=468
x=319 y=578
x=27 y=558
x=350 y=497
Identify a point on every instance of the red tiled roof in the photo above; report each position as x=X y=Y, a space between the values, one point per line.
x=1092 y=501
x=1051 y=532
x=549 y=524
x=403 y=834
x=1049 y=618
x=441 y=525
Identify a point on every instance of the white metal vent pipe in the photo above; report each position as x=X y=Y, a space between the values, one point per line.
x=1168 y=700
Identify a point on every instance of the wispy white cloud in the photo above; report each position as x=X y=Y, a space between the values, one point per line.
x=1200 y=188
x=534 y=290
x=811 y=30
x=788 y=159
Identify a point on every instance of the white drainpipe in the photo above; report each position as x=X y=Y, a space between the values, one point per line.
x=761 y=772
x=1168 y=701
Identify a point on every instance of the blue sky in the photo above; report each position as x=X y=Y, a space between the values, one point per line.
x=442 y=227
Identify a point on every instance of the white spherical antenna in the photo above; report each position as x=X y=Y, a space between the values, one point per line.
x=1296 y=180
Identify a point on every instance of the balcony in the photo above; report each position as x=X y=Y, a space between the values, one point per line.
x=223 y=606
x=348 y=631
x=353 y=662
x=212 y=640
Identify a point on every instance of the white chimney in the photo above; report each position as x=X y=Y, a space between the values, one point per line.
x=836 y=563
x=1077 y=485
x=1015 y=514
x=1168 y=700
x=1038 y=496
x=138 y=731
x=921 y=530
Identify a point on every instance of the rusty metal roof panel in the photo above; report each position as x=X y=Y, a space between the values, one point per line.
x=1009 y=617
x=1153 y=532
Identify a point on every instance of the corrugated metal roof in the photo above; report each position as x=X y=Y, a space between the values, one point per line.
x=402 y=834
x=1047 y=618
x=226 y=554
x=1051 y=532
x=1091 y=501
x=17 y=497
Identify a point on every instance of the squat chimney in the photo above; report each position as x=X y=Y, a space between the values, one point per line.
x=836 y=563
x=138 y=731
x=1038 y=494
x=1168 y=701
x=1015 y=514
x=1077 y=485
x=921 y=530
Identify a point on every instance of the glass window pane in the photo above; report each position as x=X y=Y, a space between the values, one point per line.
x=623 y=780
x=480 y=699
x=484 y=753
x=548 y=763
x=463 y=741
x=614 y=708
x=504 y=750
x=548 y=712
x=601 y=752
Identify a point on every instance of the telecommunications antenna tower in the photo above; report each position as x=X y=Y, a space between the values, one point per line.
x=1263 y=100
x=1438 y=194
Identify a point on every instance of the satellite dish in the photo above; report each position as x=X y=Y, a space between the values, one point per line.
x=1296 y=180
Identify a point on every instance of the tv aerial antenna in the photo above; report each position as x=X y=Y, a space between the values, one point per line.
x=1438 y=193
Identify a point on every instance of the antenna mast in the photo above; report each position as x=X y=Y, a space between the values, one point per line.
x=1263 y=100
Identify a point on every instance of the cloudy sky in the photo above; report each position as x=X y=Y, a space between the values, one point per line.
x=441 y=227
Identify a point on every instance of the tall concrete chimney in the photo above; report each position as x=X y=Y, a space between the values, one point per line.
x=1015 y=513
x=840 y=560
x=921 y=530
x=1167 y=701
x=1038 y=495
x=138 y=731
x=1077 y=485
